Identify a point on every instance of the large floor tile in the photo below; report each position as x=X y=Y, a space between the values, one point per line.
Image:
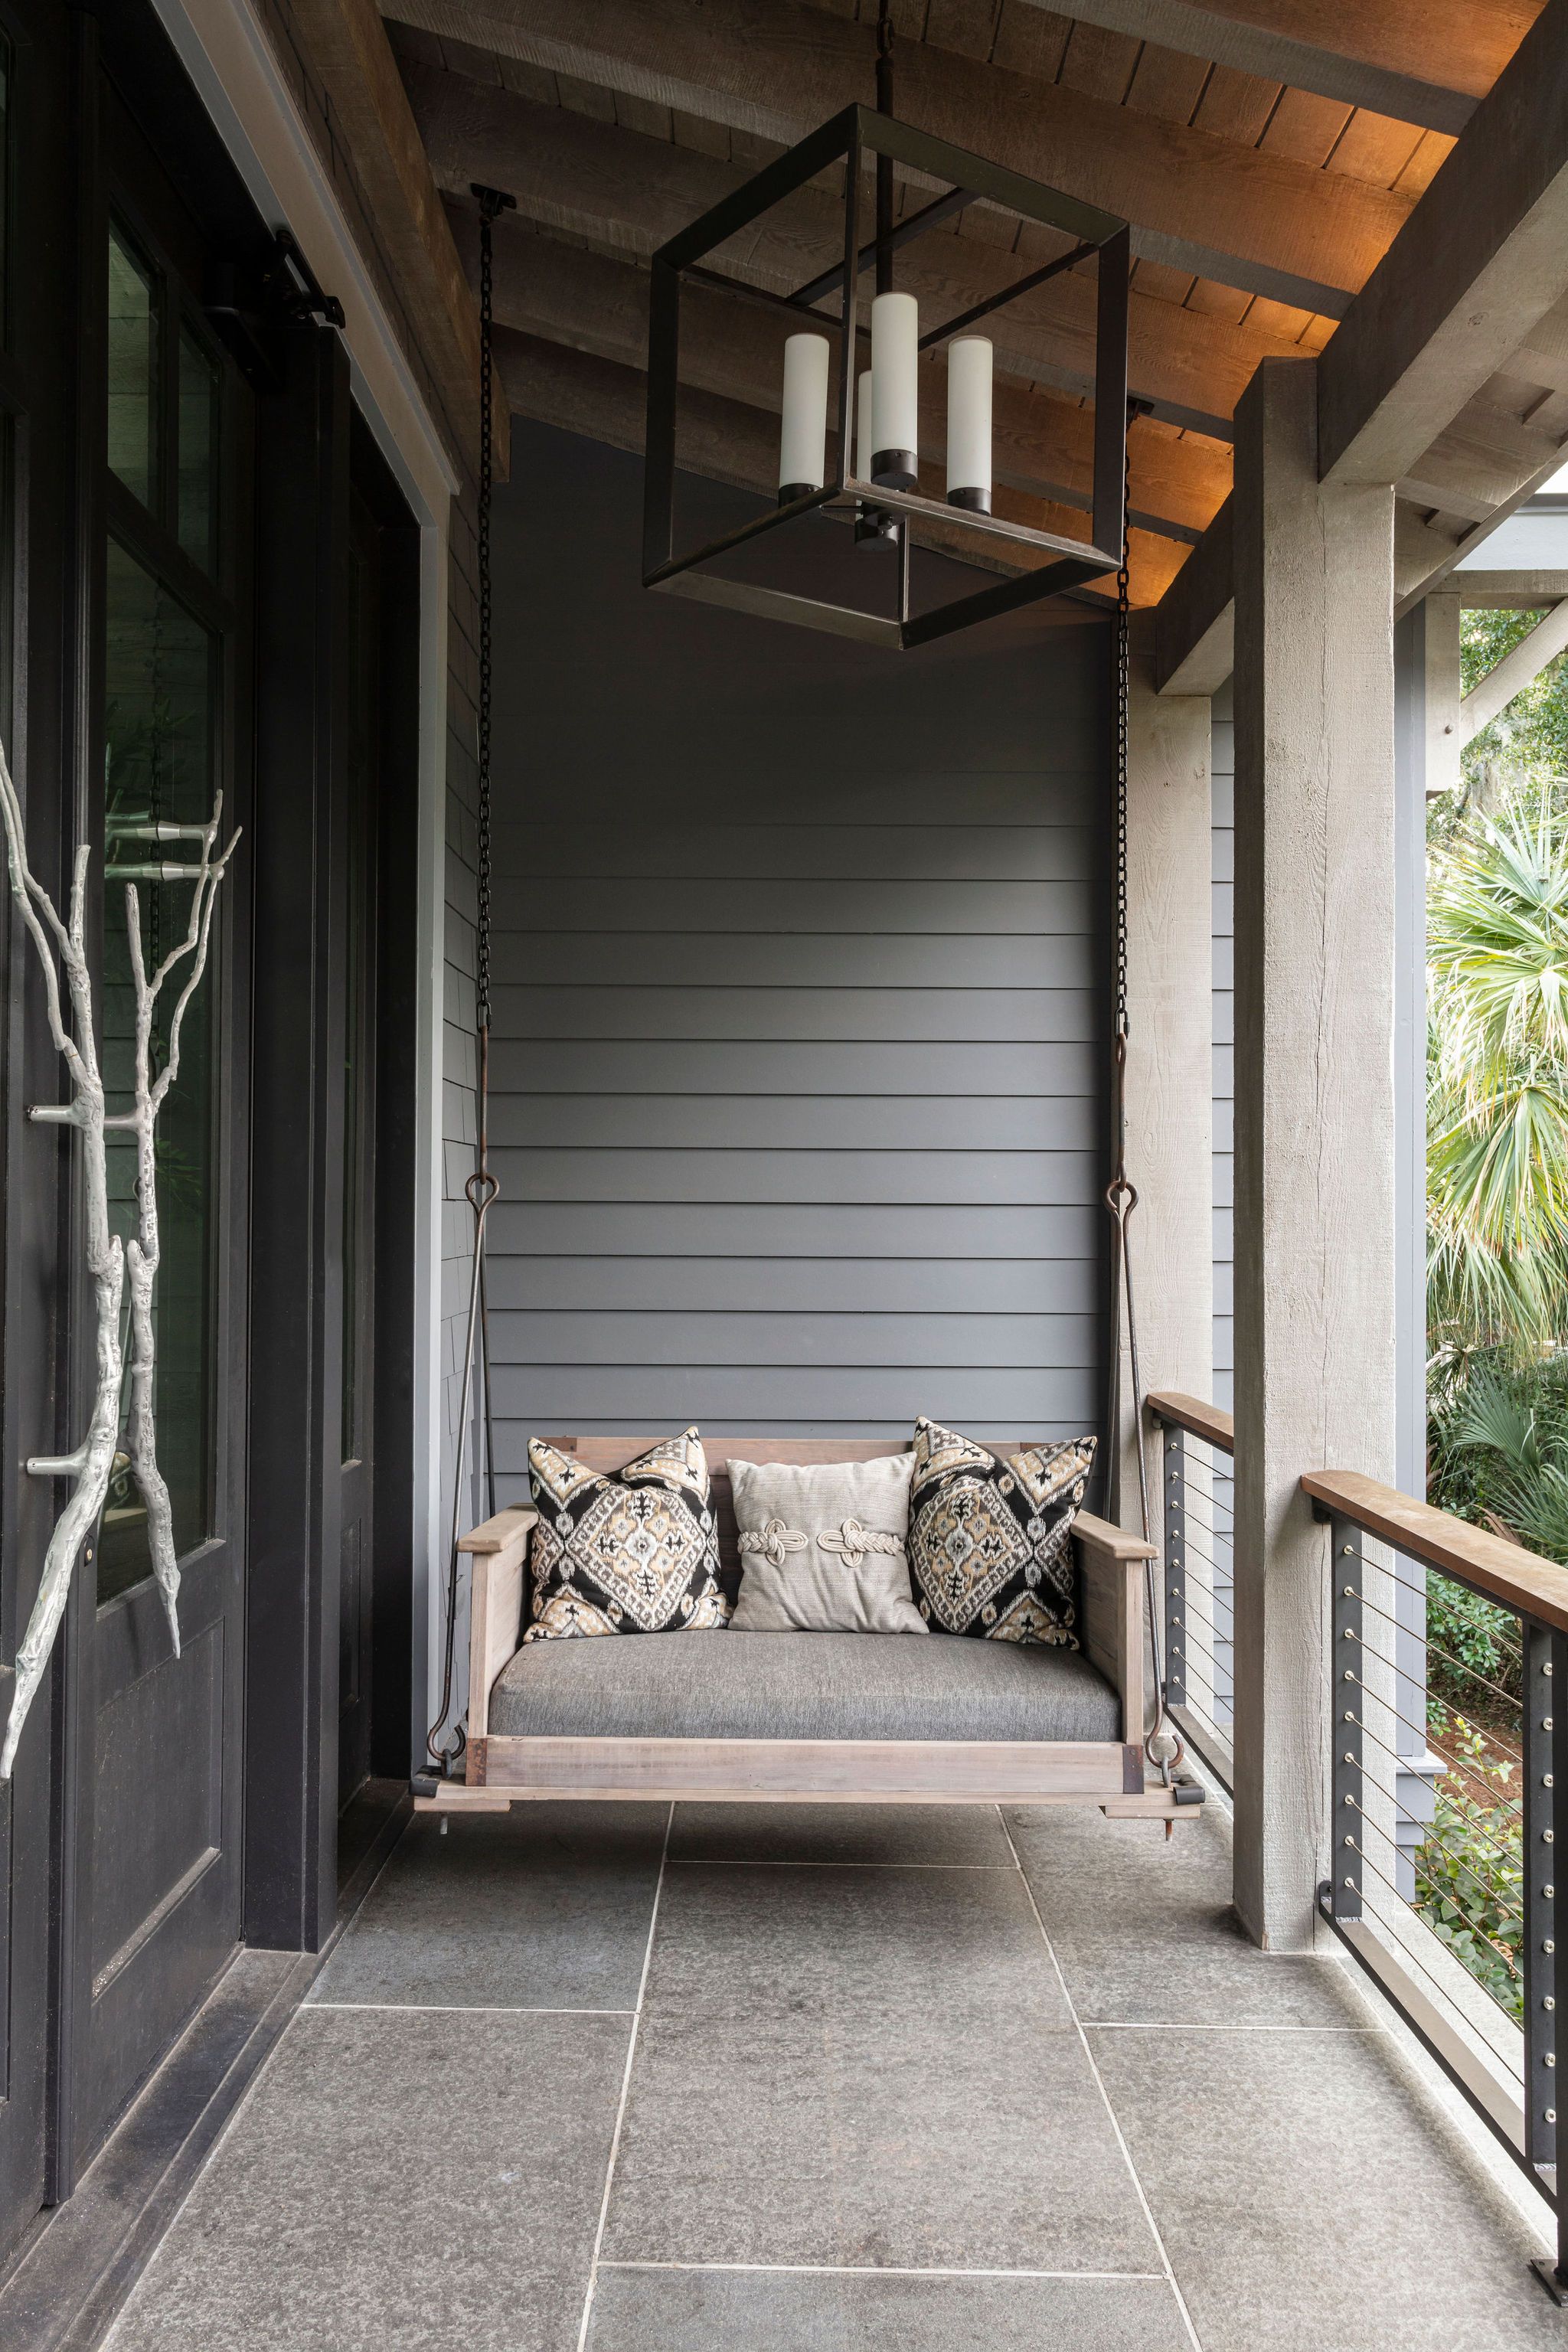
x=394 y=2182
x=1311 y=2200
x=875 y=2137
x=812 y=2311
x=956 y=1947
x=1143 y=1928
x=546 y=1907
x=947 y=1834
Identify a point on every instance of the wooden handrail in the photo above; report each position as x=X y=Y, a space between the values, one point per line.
x=1216 y=1427
x=1504 y=1572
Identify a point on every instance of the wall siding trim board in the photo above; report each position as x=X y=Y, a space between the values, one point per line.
x=799 y=1064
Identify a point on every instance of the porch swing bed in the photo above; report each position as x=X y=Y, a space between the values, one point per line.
x=725 y=1716
x=786 y=1718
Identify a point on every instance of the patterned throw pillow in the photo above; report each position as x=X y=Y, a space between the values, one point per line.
x=989 y=1541
x=625 y=1551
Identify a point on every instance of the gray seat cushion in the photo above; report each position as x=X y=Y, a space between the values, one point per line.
x=735 y=1686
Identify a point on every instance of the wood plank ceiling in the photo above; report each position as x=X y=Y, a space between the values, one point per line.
x=1266 y=151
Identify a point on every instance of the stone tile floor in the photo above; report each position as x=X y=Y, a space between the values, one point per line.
x=761 y=2079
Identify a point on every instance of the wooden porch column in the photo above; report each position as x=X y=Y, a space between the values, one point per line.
x=1315 y=1247
x=1170 y=1069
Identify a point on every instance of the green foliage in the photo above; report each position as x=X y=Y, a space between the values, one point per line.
x=1497 y=1197
x=1531 y=734
x=1469 y=1874
x=1464 y=1630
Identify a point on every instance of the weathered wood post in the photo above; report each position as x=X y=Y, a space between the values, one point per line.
x=1170 y=1076
x=1315 y=1255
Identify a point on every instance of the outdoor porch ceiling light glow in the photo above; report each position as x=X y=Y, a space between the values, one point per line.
x=849 y=436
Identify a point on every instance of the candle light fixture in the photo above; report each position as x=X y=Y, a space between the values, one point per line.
x=803 y=437
x=969 y=424
x=872 y=472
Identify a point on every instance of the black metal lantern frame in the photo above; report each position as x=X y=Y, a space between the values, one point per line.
x=850 y=137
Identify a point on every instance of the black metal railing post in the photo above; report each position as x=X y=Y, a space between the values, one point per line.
x=1539 y=1900
x=1545 y=1749
x=1347 y=1569
x=1175 y=1490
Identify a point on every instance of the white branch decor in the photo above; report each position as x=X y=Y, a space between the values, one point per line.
x=91 y=1464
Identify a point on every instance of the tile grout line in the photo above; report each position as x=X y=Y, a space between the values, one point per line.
x=457 y=2008
x=1181 y=2025
x=1100 y=2086
x=626 y=2086
x=765 y=1862
x=887 y=2270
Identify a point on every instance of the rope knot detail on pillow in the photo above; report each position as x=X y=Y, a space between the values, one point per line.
x=853 y=1542
x=773 y=1540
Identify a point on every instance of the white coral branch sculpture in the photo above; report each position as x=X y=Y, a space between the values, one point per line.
x=92 y=1465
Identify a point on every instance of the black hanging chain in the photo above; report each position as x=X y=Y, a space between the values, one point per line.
x=1122 y=1193
x=492 y=202
x=1123 y=601
x=481 y=1187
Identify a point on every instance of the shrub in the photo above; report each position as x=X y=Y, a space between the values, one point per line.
x=1470 y=1873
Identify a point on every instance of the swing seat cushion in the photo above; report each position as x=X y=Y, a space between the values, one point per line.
x=803 y=1686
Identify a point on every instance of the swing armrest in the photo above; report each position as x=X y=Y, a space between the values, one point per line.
x=1110 y=1563
x=499 y=1551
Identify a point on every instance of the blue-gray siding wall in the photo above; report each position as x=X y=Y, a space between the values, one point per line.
x=1224 y=1039
x=798 y=1071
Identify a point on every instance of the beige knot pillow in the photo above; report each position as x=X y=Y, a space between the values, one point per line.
x=823 y=1547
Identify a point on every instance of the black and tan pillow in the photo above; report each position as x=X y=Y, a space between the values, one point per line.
x=991 y=1539
x=625 y=1551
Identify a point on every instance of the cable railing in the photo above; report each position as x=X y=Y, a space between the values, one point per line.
x=1197 y=1487
x=1448 y=1637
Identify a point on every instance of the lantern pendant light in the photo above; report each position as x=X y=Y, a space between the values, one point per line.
x=872 y=475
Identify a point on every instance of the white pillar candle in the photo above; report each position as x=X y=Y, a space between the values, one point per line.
x=863 y=428
x=802 y=440
x=895 y=390
x=968 y=423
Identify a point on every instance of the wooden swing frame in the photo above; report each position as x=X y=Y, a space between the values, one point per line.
x=503 y=1768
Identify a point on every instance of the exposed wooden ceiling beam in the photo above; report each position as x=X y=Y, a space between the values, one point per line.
x=1483 y=257
x=1519 y=591
x=348 y=50
x=724 y=440
x=1194 y=627
x=1244 y=217
x=630 y=193
x=1481 y=462
x=1426 y=64
x=594 y=303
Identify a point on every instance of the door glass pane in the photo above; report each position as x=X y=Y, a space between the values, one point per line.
x=161 y=688
x=199 y=453
x=132 y=372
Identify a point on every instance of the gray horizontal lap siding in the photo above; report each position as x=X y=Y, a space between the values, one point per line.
x=799 y=1051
